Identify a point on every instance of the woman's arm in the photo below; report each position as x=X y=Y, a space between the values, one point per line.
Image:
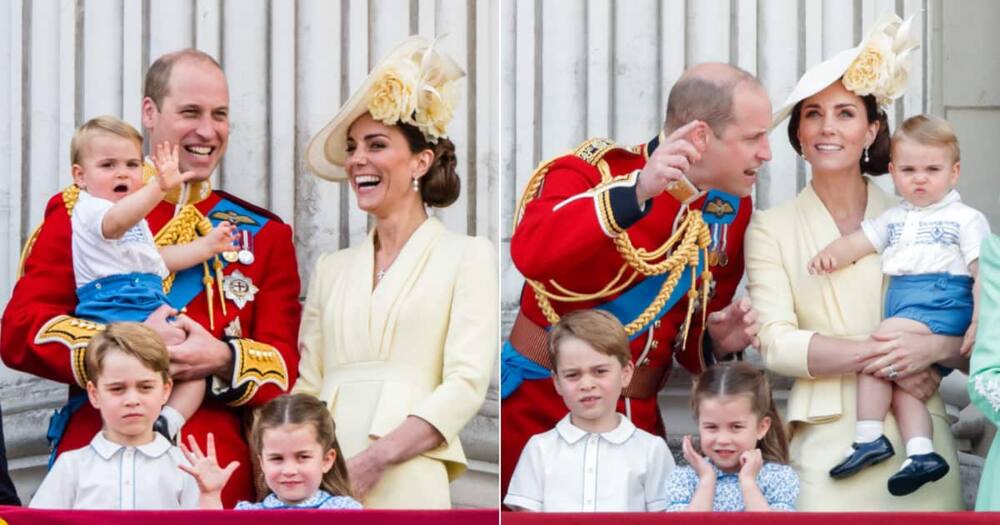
x=984 y=374
x=414 y=436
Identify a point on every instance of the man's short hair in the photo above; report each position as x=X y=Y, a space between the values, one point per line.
x=97 y=125
x=697 y=96
x=157 y=83
x=599 y=329
x=134 y=339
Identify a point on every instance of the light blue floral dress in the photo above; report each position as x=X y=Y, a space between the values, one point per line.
x=320 y=500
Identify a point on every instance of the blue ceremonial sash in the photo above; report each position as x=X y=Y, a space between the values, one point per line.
x=719 y=208
x=187 y=283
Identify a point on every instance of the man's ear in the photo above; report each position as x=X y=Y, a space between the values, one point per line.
x=149 y=112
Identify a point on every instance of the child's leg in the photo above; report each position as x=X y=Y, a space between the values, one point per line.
x=914 y=422
x=874 y=394
x=184 y=401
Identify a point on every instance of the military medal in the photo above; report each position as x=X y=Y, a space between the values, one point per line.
x=245 y=255
x=231 y=256
x=239 y=289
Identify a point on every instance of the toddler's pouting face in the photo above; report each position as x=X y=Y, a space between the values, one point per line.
x=590 y=384
x=129 y=396
x=294 y=462
x=728 y=427
x=923 y=174
x=110 y=167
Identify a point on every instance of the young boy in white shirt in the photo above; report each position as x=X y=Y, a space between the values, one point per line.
x=595 y=459
x=127 y=465
x=930 y=249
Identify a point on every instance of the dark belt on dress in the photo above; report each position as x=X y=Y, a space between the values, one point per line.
x=532 y=341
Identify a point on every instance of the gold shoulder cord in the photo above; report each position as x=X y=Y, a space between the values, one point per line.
x=681 y=250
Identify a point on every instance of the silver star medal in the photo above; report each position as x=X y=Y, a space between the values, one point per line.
x=239 y=288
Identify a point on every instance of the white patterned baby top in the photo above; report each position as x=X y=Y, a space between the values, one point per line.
x=320 y=500
x=778 y=483
x=95 y=257
x=943 y=237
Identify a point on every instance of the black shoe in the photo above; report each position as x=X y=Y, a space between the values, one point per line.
x=160 y=425
x=922 y=469
x=864 y=455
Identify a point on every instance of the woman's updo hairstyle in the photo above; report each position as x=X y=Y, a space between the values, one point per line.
x=879 y=153
x=440 y=186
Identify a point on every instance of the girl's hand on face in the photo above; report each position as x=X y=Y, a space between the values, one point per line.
x=205 y=468
x=698 y=462
x=751 y=462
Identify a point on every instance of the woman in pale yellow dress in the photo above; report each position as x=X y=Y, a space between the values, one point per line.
x=817 y=328
x=400 y=333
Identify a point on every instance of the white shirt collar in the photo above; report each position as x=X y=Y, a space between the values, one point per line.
x=951 y=197
x=106 y=449
x=572 y=433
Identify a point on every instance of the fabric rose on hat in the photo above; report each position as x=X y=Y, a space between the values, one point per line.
x=883 y=67
x=392 y=97
x=435 y=109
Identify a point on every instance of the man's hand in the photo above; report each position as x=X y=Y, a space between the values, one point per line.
x=200 y=355
x=733 y=328
x=671 y=160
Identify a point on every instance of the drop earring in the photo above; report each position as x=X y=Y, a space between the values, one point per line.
x=416 y=184
x=867 y=158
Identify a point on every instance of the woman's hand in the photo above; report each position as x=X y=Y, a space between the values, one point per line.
x=698 y=462
x=907 y=354
x=365 y=470
x=969 y=340
x=922 y=385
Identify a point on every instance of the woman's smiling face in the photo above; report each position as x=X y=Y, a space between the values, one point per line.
x=834 y=129
x=380 y=166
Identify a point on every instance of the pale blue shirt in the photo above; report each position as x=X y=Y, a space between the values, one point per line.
x=779 y=484
x=320 y=500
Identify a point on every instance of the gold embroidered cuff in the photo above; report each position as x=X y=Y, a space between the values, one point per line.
x=75 y=335
x=255 y=364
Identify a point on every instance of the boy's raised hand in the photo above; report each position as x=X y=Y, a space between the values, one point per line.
x=221 y=238
x=205 y=468
x=167 y=164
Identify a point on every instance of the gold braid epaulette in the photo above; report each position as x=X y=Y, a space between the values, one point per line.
x=185 y=227
x=679 y=252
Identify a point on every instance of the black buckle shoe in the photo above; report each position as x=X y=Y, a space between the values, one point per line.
x=923 y=468
x=864 y=455
x=160 y=425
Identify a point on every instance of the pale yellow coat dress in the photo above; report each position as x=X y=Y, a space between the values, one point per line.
x=423 y=342
x=794 y=306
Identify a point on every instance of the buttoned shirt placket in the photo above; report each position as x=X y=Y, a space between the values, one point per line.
x=590 y=473
x=127 y=485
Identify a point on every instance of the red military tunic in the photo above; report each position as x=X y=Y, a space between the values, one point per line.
x=566 y=235
x=40 y=339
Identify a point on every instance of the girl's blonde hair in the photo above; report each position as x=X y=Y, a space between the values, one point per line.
x=298 y=409
x=737 y=378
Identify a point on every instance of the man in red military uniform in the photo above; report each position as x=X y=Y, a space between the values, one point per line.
x=616 y=228
x=240 y=326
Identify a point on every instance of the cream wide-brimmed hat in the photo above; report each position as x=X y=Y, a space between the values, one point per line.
x=414 y=83
x=879 y=65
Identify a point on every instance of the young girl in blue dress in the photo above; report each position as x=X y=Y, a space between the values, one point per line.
x=744 y=451
x=295 y=441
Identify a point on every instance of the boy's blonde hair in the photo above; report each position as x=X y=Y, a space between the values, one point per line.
x=599 y=329
x=134 y=339
x=102 y=124
x=928 y=130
